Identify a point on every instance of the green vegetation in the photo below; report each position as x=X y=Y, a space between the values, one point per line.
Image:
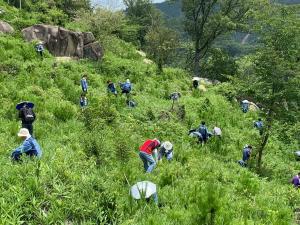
x=86 y=155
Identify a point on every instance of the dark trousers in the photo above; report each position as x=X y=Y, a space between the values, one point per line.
x=16 y=155
x=28 y=126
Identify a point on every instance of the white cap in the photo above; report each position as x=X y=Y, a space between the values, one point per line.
x=128 y=81
x=23 y=132
x=167 y=145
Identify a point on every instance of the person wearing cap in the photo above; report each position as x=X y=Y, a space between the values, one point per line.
x=245 y=106
x=84 y=83
x=166 y=150
x=29 y=147
x=27 y=116
x=147 y=151
x=126 y=87
x=40 y=48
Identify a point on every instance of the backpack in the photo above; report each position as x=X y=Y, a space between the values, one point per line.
x=202 y=130
x=28 y=115
x=127 y=87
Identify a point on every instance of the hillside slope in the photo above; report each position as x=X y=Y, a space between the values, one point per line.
x=89 y=156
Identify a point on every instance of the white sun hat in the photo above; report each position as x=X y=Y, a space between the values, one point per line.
x=143 y=189
x=167 y=145
x=23 y=132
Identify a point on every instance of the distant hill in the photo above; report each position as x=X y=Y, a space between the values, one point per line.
x=236 y=44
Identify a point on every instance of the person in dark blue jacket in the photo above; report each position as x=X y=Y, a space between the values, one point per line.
x=259 y=126
x=30 y=147
x=247 y=150
x=84 y=83
x=203 y=131
x=126 y=87
x=111 y=88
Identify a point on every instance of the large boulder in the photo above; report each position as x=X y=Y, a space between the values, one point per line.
x=63 y=42
x=5 y=28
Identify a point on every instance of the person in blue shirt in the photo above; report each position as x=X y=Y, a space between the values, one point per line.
x=245 y=106
x=259 y=126
x=30 y=147
x=246 y=155
x=203 y=131
x=111 y=88
x=83 y=101
x=40 y=48
x=126 y=87
x=84 y=83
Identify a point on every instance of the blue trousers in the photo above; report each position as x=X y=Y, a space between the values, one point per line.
x=148 y=160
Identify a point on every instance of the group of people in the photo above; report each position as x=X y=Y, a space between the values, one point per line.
x=126 y=88
x=30 y=146
x=202 y=133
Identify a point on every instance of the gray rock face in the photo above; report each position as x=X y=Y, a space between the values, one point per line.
x=63 y=42
x=5 y=28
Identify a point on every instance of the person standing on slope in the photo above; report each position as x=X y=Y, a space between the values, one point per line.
x=259 y=126
x=27 y=115
x=84 y=83
x=204 y=132
x=147 y=150
x=247 y=150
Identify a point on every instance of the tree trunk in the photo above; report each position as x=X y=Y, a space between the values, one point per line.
x=197 y=58
x=264 y=140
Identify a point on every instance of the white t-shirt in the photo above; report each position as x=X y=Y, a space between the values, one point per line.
x=217 y=131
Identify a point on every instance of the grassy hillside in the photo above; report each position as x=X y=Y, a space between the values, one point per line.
x=86 y=155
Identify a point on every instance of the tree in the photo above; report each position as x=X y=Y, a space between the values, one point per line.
x=276 y=79
x=144 y=14
x=205 y=20
x=161 y=43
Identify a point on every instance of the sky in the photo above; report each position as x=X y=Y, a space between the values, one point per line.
x=115 y=4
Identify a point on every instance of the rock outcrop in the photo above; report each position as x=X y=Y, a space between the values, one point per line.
x=63 y=42
x=5 y=28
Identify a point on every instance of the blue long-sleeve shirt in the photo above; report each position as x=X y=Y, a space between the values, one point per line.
x=28 y=145
x=84 y=84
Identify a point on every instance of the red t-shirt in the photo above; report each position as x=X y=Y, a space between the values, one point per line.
x=149 y=146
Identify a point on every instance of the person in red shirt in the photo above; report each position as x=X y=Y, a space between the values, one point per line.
x=146 y=151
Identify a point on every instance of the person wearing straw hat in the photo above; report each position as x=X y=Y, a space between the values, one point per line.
x=144 y=189
x=26 y=114
x=166 y=150
x=147 y=151
x=30 y=146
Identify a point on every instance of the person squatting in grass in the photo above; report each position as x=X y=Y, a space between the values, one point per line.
x=296 y=180
x=147 y=150
x=111 y=88
x=126 y=87
x=166 y=150
x=30 y=147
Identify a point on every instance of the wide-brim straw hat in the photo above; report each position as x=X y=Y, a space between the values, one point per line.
x=24 y=132
x=168 y=145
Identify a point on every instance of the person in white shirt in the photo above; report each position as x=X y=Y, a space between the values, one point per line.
x=217 y=131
